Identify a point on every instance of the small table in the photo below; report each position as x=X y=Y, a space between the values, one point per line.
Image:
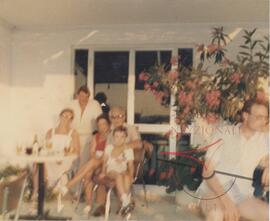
x=40 y=161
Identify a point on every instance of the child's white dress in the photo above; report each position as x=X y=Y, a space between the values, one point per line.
x=118 y=164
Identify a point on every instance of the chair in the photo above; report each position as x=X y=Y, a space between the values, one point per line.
x=140 y=157
x=11 y=194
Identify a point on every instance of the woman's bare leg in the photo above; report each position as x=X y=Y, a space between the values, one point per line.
x=88 y=189
x=87 y=169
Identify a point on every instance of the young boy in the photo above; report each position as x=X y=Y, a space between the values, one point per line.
x=118 y=165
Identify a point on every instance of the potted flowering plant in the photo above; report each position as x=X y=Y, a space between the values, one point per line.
x=222 y=94
x=199 y=93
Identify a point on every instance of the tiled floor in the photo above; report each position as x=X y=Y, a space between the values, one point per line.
x=163 y=208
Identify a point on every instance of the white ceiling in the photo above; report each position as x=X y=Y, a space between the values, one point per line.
x=70 y=13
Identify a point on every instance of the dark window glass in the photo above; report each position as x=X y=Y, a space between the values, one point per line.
x=111 y=67
x=81 y=68
x=185 y=57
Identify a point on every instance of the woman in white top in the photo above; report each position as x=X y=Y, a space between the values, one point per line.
x=63 y=139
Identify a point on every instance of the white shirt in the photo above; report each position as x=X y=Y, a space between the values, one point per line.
x=85 y=124
x=238 y=155
x=120 y=163
x=61 y=141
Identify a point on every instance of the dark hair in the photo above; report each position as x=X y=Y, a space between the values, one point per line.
x=84 y=89
x=120 y=129
x=103 y=116
x=250 y=103
x=101 y=97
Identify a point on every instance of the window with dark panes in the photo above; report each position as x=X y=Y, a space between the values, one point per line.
x=185 y=57
x=81 y=68
x=111 y=67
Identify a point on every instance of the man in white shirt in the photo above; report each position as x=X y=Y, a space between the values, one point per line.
x=241 y=150
x=86 y=111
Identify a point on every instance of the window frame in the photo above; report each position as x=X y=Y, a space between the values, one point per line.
x=143 y=128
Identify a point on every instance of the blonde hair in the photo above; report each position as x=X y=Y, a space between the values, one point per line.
x=67 y=110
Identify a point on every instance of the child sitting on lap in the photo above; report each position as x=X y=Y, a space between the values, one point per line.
x=118 y=165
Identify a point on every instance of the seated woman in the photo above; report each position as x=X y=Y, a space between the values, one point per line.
x=62 y=139
x=97 y=147
x=118 y=165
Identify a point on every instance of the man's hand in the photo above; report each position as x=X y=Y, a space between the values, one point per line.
x=264 y=162
x=265 y=177
x=230 y=210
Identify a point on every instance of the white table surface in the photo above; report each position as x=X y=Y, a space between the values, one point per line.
x=44 y=158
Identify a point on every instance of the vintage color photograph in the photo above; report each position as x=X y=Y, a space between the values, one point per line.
x=141 y=110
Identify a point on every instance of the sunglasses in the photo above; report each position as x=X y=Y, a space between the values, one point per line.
x=67 y=116
x=119 y=116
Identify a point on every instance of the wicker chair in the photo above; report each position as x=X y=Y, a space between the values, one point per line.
x=11 y=195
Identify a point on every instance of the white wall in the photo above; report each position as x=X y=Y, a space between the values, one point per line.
x=42 y=76
x=5 y=73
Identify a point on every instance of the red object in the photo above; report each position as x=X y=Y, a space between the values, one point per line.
x=100 y=143
x=162 y=175
x=170 y=172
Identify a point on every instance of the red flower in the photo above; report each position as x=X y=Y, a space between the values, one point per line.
x=185 y=99
x=173 y=75
x=168 y=134
x=189 y=98
x=170 y=172
x=162 y=175
x=193 y=169
x=147 y=86
x=190 y=84
x=212 y=48
x=235 y=78
x=143 y=76
x=186 y=110
x=182 y=97
x=155 y=84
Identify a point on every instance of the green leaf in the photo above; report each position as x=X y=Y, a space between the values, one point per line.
x=247 y=41
x=244 y=53
x=254 y=44
x=246 y=32
x=252 y=32
x=244 y=46
x=263 y=47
